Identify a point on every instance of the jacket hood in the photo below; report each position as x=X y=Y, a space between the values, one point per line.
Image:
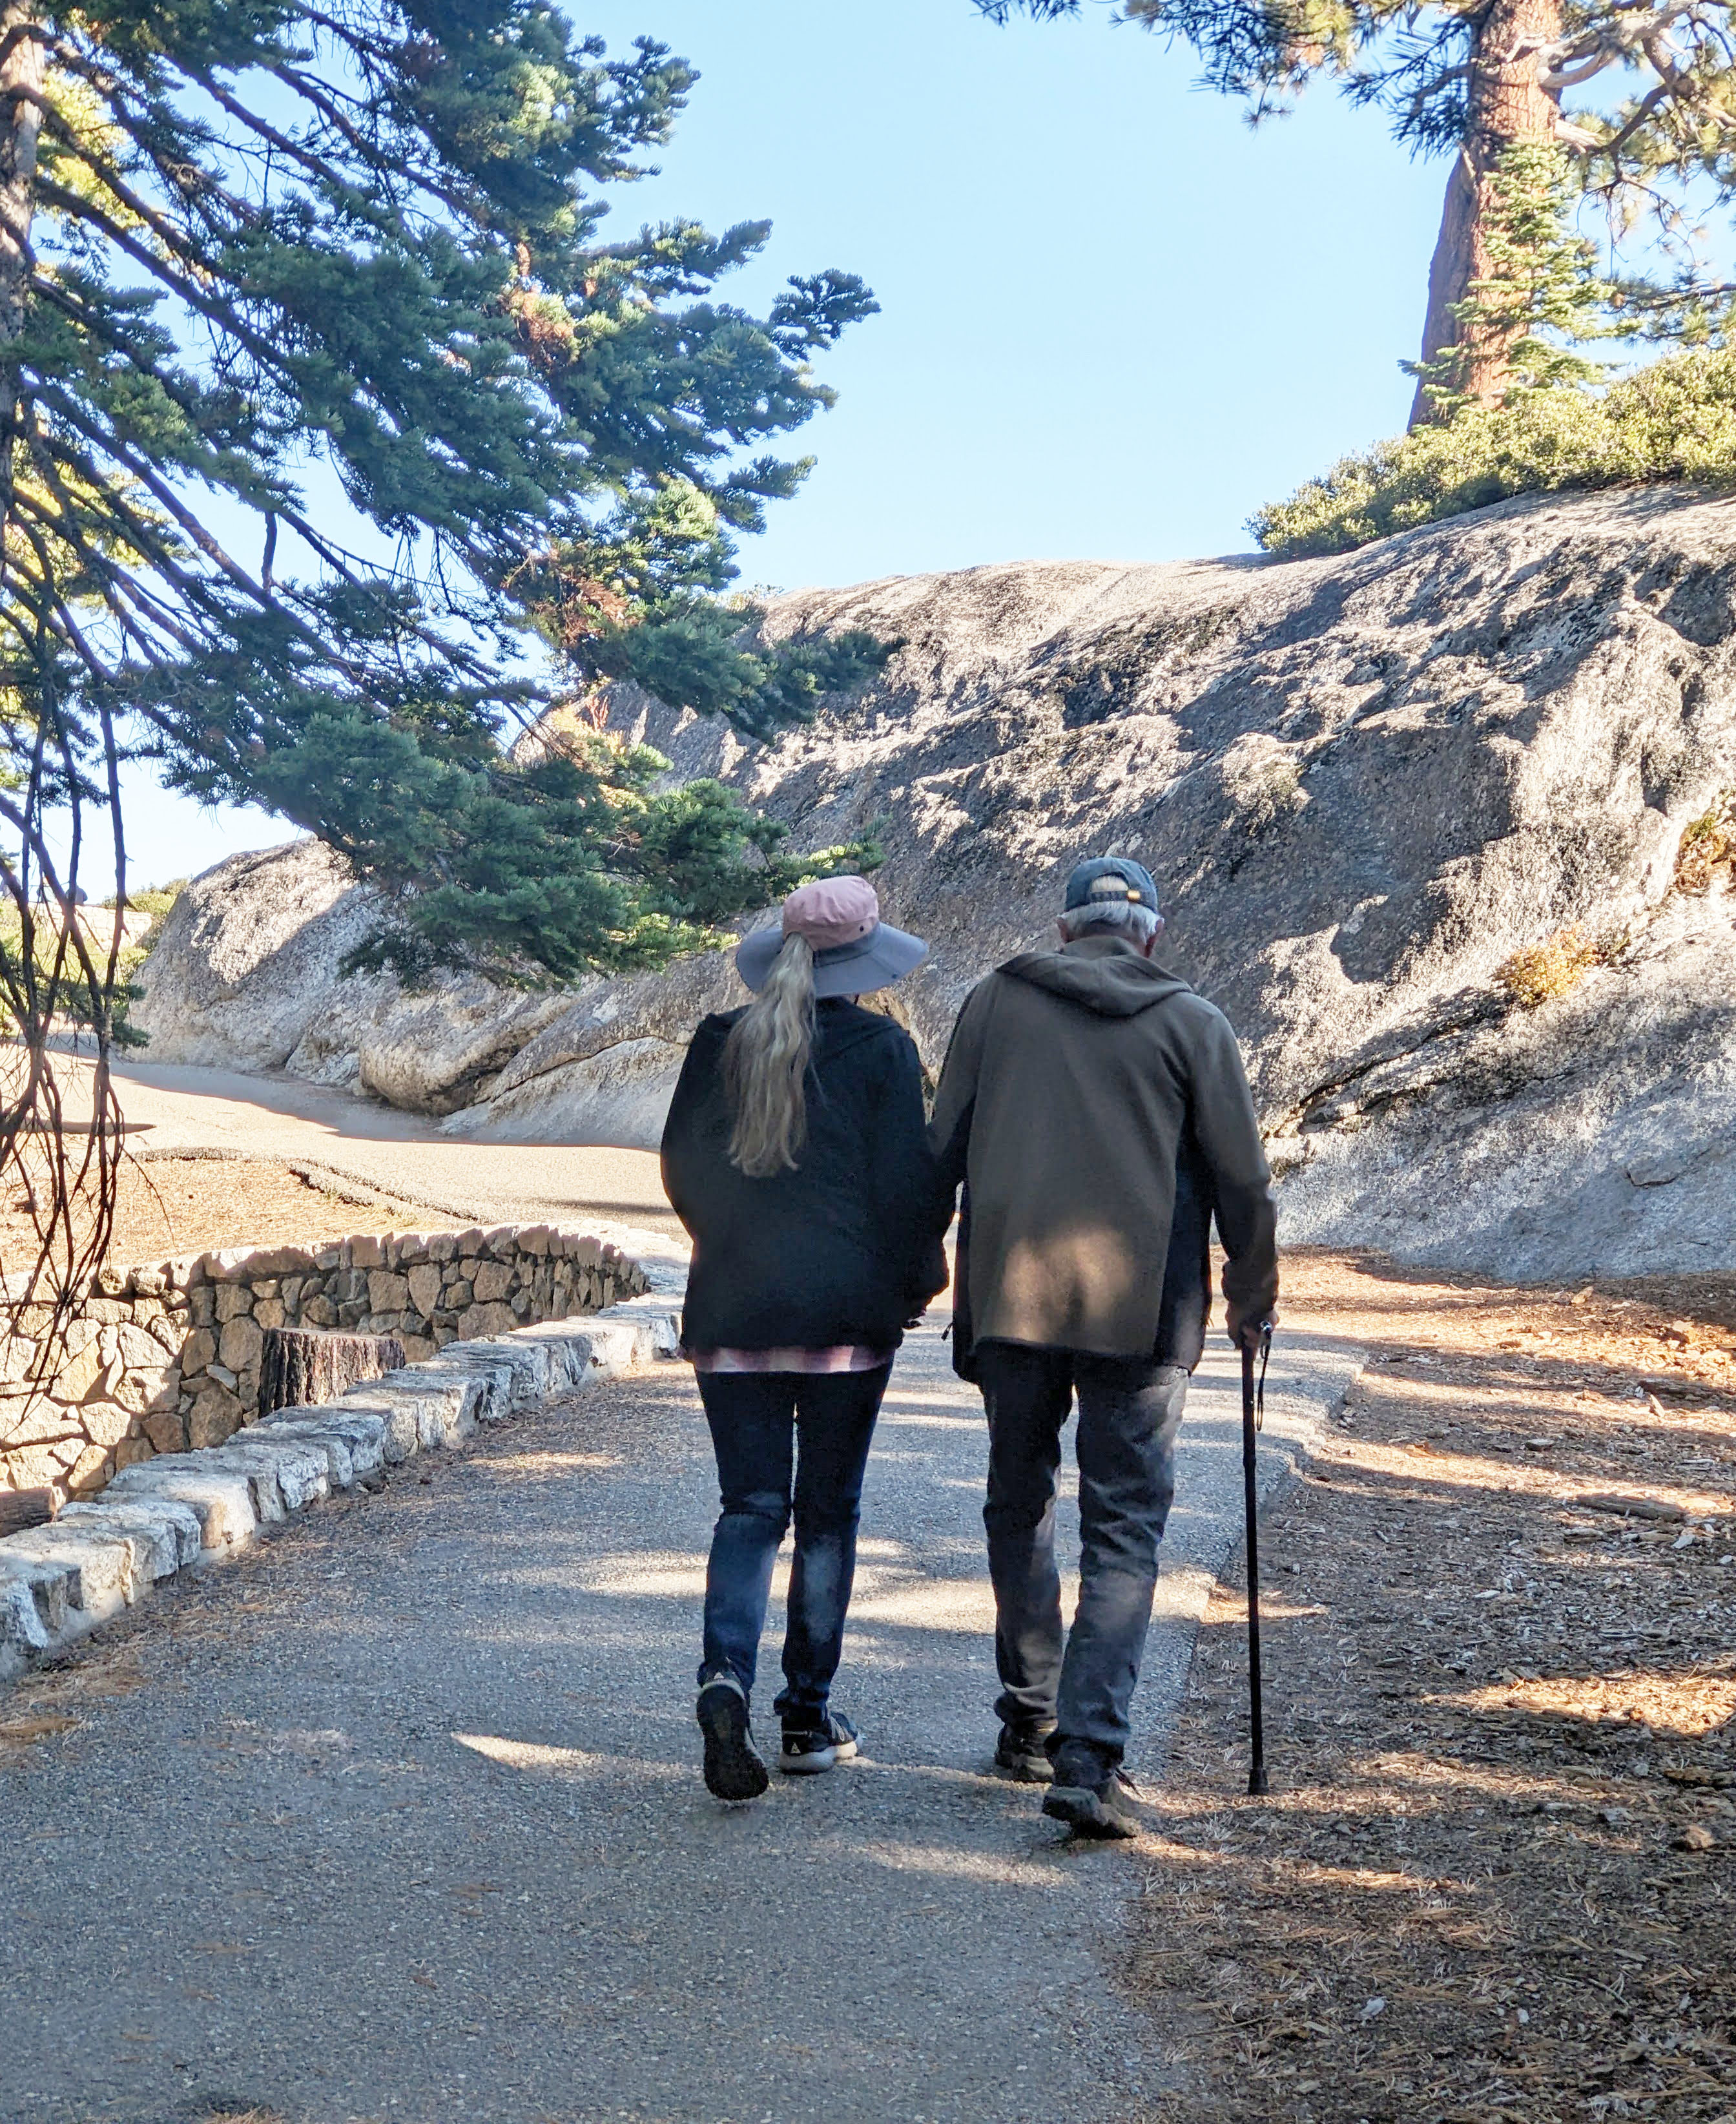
x=1100 y=973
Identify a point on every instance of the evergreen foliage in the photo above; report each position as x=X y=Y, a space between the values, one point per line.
x=1541 y=296
x=1668 y=128
x=643 y=601
x=269 y=268
x=1556 y=426
x=1675 y=419
x=1471 y=81
x=266 y=251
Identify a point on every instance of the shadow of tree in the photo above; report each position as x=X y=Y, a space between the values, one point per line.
x=1492 y=1879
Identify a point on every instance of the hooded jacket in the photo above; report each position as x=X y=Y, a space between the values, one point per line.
x=1079 y=1083
x=843 y=1249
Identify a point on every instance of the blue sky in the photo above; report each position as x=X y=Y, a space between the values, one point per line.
x=1114 y=321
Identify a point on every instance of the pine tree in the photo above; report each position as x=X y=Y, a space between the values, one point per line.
x=1542 y=300
x=235 y=234
x=269 y=269
x=1476 y=79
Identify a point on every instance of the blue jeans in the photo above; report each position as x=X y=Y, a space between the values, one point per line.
x=784 y=1440
x=1129 y=1413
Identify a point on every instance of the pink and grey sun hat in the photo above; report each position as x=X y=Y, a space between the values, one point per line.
x=854 y=951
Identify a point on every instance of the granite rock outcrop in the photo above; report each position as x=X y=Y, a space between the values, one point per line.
x=1364 y=783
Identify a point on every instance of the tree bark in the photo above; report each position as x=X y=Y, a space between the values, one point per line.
x=1507 y=104
x=19 y=1509
x=300 y=1367
x=21 y=74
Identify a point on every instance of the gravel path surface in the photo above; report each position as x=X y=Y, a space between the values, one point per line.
x=399 y=1816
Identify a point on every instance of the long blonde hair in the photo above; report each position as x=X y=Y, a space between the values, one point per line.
x=766 y=1066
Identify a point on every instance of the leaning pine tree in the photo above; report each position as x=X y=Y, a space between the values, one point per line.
x=1476 y=80
x=339 y=446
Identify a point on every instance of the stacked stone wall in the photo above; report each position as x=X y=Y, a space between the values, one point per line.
x=164 y=1358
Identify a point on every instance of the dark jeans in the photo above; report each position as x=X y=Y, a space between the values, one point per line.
x=767 y=1428
x=1129 y=1412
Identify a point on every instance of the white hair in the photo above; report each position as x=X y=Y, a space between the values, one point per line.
x=1138 y=925
x=766 y=1066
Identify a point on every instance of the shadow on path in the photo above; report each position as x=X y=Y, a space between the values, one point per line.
x=399 y=1818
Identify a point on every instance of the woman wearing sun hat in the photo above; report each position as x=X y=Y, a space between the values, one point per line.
x=794 y=1155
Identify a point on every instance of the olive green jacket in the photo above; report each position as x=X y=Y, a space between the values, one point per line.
x=1075 y=1080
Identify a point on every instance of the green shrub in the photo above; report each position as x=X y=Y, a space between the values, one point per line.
x=155 y=899
x=1673 y=420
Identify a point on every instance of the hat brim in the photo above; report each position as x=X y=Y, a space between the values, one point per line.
x=873 y=961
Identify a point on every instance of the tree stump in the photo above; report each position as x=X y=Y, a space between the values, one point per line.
x=19 y=1509
x=302 y=1365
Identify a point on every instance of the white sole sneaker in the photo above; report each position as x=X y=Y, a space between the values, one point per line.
x=809 y=1762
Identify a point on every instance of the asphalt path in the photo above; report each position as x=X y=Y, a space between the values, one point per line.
x=399 y=1816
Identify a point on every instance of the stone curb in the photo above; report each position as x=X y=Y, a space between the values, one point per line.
x=163 y=1357
x=171 y=1514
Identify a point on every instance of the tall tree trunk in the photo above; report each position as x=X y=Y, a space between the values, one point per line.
x=1507 y=104
x=20 y=128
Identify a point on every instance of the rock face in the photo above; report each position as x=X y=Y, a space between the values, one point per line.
x=1363 y=782
x=247 y=975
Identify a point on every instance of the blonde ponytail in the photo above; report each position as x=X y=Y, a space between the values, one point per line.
x=766 y=1066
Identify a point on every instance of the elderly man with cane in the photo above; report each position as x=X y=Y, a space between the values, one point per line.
x=1098 y=1114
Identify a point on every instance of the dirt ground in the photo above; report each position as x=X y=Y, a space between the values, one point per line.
x=1493 y=1878
x=170 y=1206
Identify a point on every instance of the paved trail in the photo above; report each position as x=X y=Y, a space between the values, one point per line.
x=398 y=1817
x=175 y=1108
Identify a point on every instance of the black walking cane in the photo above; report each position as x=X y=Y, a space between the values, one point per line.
x=1253 y=1416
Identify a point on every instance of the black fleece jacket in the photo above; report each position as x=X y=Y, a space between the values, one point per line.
x=843 y=1249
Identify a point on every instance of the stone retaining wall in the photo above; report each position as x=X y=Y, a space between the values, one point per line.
x=176 y=1512
x=165 y=1358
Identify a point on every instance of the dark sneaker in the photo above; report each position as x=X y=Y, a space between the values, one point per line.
x=1020 y=1752
x=734 y=1769
x=807 y=1750
x=1088 y=1796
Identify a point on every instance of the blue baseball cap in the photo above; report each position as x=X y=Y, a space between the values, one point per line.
x=1111 y=879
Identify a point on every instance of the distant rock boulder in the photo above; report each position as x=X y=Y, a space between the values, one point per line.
x=245 y=973
x=1364 y=783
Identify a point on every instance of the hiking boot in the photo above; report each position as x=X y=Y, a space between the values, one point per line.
x=1092 y=1796
x=734 y=1769
x=1020 y=1752
x=807 y=1750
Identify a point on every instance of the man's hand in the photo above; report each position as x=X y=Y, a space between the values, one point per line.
x=1245 y=1330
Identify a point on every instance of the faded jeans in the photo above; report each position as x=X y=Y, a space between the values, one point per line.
x=786 y=1441
x=1129 y=1413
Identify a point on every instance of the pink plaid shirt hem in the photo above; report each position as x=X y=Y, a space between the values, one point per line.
x=841 y=1357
